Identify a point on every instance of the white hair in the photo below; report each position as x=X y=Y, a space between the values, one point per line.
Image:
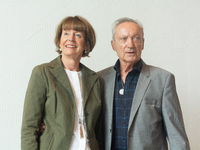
x=122 y=20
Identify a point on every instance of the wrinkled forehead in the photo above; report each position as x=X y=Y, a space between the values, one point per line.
x=74 y=24
x=128 y=28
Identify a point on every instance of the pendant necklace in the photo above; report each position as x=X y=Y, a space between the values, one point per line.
x=121 y=91
x=81 y=128
x=80 y=120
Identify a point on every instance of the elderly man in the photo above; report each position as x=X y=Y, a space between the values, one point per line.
x=140 y=104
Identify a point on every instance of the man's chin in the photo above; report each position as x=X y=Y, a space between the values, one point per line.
x=130 y=61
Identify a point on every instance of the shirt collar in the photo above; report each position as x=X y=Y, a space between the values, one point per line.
x=137 y=67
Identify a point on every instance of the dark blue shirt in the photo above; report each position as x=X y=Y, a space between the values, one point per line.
x=122 y=105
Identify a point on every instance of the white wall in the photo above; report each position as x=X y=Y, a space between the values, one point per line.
x=27 y=29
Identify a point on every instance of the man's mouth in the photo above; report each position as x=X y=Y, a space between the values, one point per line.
x=131 y=52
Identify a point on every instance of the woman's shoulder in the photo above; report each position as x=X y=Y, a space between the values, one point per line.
x=41 y=67
x=46 y=66
x=50 y=64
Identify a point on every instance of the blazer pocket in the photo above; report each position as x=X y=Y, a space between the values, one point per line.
x=151 y=102
x=46 y=141
x=152 y=99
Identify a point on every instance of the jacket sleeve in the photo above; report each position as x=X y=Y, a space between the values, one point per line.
x=173 y=119
x=33 y=110
x=99 y=124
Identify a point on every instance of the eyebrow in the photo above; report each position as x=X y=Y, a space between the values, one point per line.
x=123 y=35
x=74 y=30
x=127 y=36
x=136 y=35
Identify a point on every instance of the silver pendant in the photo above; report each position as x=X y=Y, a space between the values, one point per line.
x=121 y=91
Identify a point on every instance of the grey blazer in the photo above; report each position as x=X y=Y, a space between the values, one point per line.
x=155 y=112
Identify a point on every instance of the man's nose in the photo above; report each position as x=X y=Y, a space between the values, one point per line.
x=131 y=43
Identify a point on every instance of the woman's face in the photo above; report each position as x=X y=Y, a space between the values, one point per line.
x=72 y=44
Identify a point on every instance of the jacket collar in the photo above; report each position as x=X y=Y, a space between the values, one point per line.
x=89 y=77
x=142 y=85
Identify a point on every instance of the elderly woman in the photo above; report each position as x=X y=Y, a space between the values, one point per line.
x=64 y=94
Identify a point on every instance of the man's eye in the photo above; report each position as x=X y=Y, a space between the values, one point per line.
x=136 y=38
x=123 y=39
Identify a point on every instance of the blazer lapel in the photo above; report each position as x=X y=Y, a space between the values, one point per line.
x=141 y=88
x=109 y=95
x=110 y=85
x=89 y=78
x=59 y=73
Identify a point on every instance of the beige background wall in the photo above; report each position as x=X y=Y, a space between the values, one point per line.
x=27 y=29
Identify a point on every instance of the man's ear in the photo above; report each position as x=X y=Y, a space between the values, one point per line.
x=143 y=44
x=113 y=45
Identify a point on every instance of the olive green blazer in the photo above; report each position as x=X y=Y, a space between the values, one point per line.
x=49 y=98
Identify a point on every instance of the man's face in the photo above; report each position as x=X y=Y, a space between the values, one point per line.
x=129 y=42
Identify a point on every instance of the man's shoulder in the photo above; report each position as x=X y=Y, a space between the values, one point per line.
x=156 y=71
x=105 y=71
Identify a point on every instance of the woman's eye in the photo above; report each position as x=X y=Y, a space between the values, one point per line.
x=65 y=33
x=78 y=35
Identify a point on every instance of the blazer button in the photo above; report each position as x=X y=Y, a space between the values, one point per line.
x=110 y=130
x=86 y=114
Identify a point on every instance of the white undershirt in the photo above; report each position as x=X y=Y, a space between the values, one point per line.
x=77 y=142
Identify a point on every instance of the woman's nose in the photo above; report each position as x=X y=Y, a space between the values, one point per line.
x=71 y=37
